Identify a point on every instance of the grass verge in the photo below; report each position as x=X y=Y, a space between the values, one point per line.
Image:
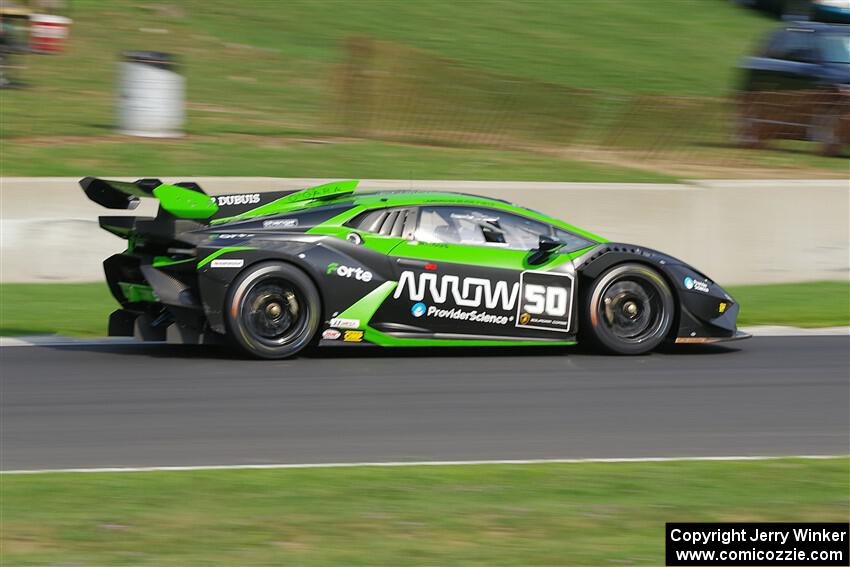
x=819 y=304
x=82 y=309
x=274 y=69
x=625 y=87
x=74 y=310
x=496 y=515
x=283 y=156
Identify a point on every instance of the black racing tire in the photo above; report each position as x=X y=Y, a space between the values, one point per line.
x=272 y=310
x=629 y=309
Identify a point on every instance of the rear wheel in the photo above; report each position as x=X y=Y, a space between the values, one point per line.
x=272 y=310
x=629 y=309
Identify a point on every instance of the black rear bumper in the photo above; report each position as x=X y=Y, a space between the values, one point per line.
x=159 y=300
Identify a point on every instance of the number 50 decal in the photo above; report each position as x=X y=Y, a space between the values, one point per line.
x=545 y=301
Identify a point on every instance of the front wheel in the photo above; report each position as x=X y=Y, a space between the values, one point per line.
x=272 y=310
x=629 y=309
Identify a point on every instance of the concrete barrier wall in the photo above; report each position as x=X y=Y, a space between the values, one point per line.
x=735 y=231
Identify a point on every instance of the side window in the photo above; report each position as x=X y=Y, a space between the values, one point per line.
x=799 y=46
x=571 y=242
x=775 y=48
x=835 y=47
x=479 y=227
x=398 y=223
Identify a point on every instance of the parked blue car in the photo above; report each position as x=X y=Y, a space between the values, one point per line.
x=797 y=86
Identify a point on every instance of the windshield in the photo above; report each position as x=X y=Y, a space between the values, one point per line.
x=836 y=47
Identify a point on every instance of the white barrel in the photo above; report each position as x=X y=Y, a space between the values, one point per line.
x=48 y=33
x=151 y=95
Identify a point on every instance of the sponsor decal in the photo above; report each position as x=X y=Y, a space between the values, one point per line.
x=465 y=292
x=540 y=300
x=245 y=199
x=240 y=235
x=228 y=263
x=722 y=307
x=474 y=315
x=353 y=336
x=698 y=285
x=345 y=323
x=280 y=223
x=359 y=274
x=331 y=334
x=546 y=301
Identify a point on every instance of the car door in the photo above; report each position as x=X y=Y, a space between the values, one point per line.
x=468 y=272
x=797 y=79
x=782 y=80
x=761 y=68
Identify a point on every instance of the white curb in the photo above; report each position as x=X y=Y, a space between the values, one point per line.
x=422 y=464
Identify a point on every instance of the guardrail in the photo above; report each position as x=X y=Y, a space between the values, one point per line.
x=738 y=231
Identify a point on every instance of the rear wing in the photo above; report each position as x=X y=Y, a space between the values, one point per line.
x=182 y=207
x=183 y=200
x=185 y=206
x=186 y=200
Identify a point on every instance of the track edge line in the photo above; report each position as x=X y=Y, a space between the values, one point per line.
x=380 y=464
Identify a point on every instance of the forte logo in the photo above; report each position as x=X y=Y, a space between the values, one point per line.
x=360 y=274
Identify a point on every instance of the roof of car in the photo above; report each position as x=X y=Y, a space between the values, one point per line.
x=414 y=197
x=372 y=199
x=379 y=199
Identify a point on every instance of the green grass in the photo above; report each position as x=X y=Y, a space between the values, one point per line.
x=268 y=63
x=571 y=514
x=76 y=310
x=82 y=309
x=262 y=76
x=822 y=304
x=280 y=157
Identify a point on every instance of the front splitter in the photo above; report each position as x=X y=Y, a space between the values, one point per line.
x=739 y=335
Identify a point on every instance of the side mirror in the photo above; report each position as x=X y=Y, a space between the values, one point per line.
x=545 y=247
x=548 y=244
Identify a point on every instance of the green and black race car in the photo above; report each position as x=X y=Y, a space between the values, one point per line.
x=275 y=272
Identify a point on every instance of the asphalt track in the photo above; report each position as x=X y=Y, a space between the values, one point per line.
x=157 y=405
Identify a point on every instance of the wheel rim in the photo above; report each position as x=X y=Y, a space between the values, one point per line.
x=274 y=311
x=632 y=309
